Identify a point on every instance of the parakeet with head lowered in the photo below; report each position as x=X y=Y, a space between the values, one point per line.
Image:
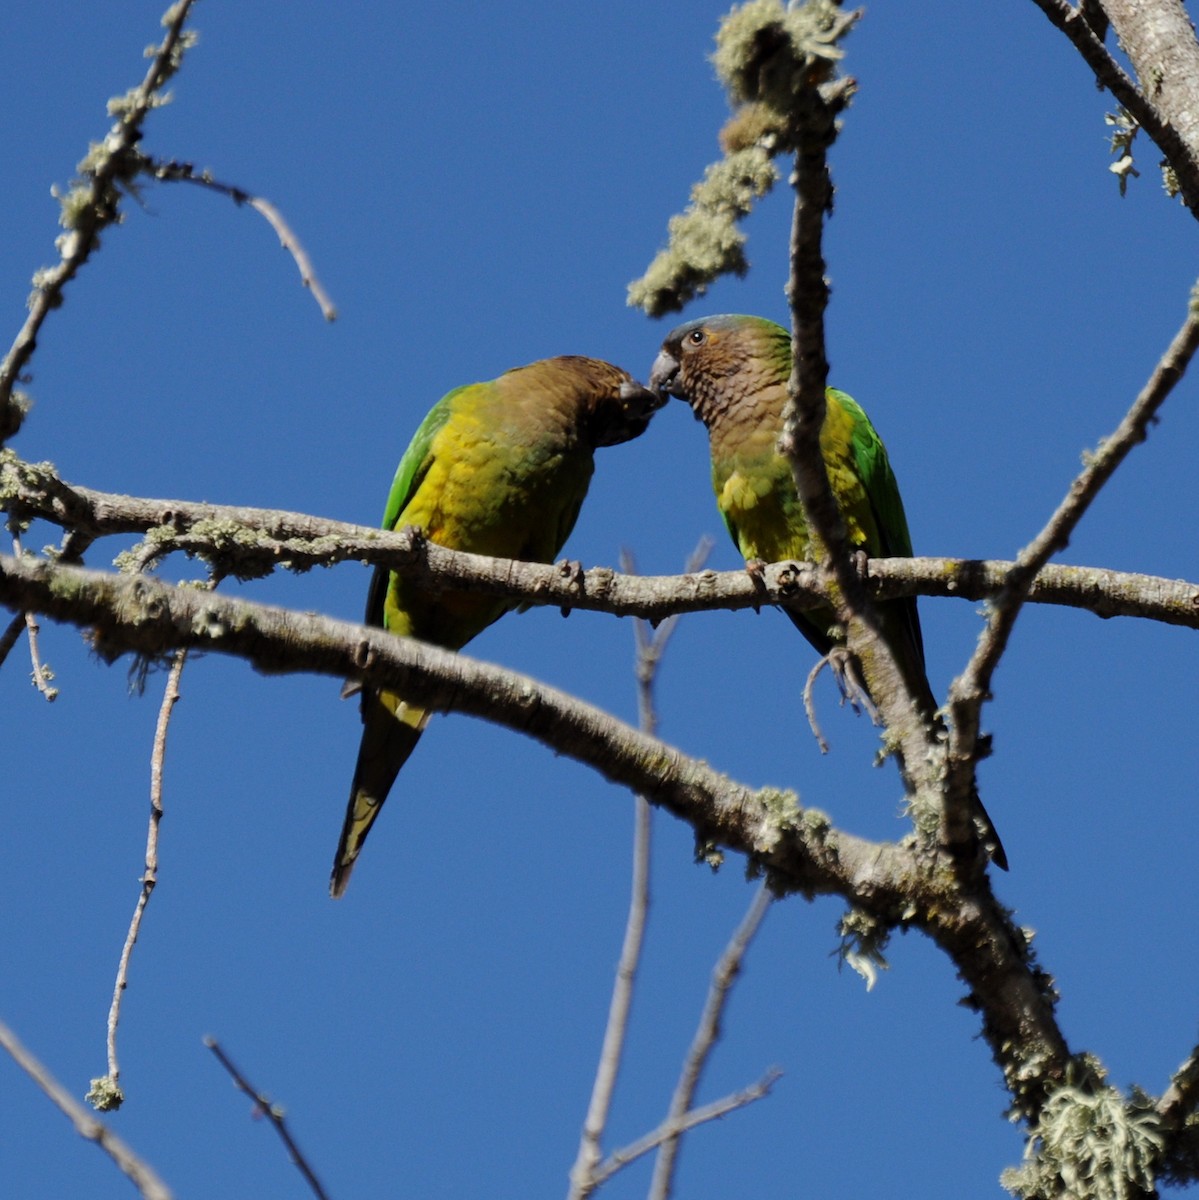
x=497 y=468
x=733 y=371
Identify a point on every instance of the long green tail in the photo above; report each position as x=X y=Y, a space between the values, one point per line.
x=392 y=730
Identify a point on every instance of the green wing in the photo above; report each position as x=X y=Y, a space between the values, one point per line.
x=417 y=460
x=882 y=490
x=874 y=468
x=414 y=466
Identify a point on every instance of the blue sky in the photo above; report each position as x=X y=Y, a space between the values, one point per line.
x=476 y=189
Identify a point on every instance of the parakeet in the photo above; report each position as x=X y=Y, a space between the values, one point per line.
x=733 y=371
x=498 y=468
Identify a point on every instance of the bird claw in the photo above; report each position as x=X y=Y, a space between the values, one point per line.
x=844 y=666
x=755 y=568
x=571 y=570
x=418 y=539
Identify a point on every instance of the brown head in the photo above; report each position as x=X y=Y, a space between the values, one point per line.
x=716 y=362
x=615 y=407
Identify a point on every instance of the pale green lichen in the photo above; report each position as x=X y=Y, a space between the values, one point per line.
x=1193 y=300
x=704 y=242
x=105 y=1094
x=1089 y=1144
x=817 y=824
x=781 y=815
x=863 y=941
x=707 y=851
x=18 y=476
x=769 y=55
x=767 y=51
x=1125 y=128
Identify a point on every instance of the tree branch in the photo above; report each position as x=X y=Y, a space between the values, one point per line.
x=675 y=1127
x=706 y=1037
x=181 y=172
x=799 y=848
x=273 y=1113
x=252 y=542
x=92 y=205
x=1156 y=116
x=651 y=646
x=144 y=1177
x=970 y=691
x=106 y=1093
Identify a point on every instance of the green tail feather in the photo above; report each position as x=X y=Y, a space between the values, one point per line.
x=392 y=730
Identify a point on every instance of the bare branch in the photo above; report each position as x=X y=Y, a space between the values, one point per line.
x=706 y=1037
x=42 y=675
x=971 y=689
x=583 y=1179
x=144 y=1177
x=273 y=1113
x=107 y=1092
x=674 y=1127
x=651 y=645
x=181 y=172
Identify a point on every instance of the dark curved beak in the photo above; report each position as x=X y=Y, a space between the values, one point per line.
x=640 y=401
x=616 y=423
x=664 y=375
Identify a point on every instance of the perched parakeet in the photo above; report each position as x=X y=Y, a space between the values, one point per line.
x=498 y=468
x=733 y=371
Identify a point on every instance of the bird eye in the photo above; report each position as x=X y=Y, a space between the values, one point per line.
x=697 y=337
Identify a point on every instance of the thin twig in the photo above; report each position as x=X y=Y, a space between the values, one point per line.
x=41 y=673
x=809 y=703
x=108 y=166
x=273 y=1113
x=673 y=1128
x=583 y=1173
x=110 y=1093
x=650 y=648
x=144 y=1177
x=1156 y=121
x=706 y=1037
x=972 y=688
x=183 y=172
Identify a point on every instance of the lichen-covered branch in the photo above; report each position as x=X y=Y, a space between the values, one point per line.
x=1159 y=40
x=766 y=53
x=92 y=204
x=798 y=848
x=1142 y=106
x=250 y=542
